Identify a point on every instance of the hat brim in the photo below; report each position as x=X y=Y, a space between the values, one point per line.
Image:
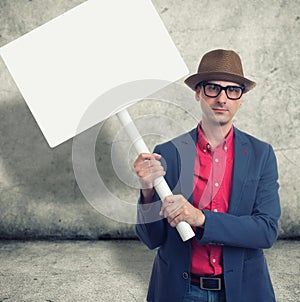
x=193 y=80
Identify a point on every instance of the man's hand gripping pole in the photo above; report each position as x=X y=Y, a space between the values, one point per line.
x=184 y=229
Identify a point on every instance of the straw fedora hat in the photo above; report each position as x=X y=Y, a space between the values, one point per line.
x=222 y=65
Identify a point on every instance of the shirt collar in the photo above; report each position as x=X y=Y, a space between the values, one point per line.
x=204 y=145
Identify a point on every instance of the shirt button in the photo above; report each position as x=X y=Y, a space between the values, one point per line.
x=208 y=146
x=216 y=160
x=215 y=210
x=185 y=275
x=225 y=148
x=214 y=260
x=216 y=184
x=204 y=150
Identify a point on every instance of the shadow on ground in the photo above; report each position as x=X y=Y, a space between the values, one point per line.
x=62 y=271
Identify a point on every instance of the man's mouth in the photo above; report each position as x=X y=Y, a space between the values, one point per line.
x=219 y=109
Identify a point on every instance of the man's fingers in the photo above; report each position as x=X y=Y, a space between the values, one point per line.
x=147 y=179
x=172 y=211
x=172 y=207
x=142 y=158
x=151 y=172
x=148 y=167
x=149 y=156
x=169 y=208
x=155 y=175
x=146 y=160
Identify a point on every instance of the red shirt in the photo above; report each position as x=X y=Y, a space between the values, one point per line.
x=213 y=181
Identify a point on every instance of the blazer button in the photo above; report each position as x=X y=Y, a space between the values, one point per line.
x=185 y=275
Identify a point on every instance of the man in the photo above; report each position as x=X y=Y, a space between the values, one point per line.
x=225 y=186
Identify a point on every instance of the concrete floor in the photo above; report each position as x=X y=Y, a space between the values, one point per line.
x=64 y=271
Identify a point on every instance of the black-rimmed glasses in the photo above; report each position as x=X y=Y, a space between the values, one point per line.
x=213 y=90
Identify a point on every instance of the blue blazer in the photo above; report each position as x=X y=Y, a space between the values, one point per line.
x=249 y=226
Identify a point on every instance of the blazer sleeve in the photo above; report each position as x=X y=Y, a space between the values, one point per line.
x=256 y=230
x=151 y=228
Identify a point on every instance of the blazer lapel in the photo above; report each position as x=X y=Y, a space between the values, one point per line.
x=186 y=147
x=240 y=169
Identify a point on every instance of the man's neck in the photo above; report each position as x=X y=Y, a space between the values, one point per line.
x=214 y=132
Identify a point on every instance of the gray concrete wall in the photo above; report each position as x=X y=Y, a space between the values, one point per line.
x=39 y=194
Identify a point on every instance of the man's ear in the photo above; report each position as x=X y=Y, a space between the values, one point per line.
x=197 y=95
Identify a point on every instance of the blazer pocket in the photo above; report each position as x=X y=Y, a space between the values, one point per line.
x=252 y=254
x=254 y=266
x=256 y=283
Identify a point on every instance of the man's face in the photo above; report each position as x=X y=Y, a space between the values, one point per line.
x=220 y=109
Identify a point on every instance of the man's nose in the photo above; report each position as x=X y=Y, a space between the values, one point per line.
x=222 y=97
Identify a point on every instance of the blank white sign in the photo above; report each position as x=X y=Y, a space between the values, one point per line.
x=63 y=66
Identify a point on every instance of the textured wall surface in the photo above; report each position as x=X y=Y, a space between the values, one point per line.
x=39 y=194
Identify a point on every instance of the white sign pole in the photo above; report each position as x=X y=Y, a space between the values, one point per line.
x=160 y=184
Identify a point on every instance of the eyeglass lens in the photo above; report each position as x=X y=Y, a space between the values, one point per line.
x=213 y=90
